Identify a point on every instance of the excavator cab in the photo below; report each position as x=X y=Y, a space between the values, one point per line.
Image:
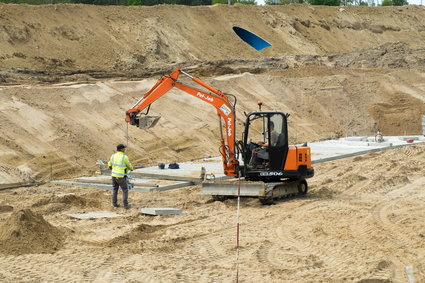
x=265 y=145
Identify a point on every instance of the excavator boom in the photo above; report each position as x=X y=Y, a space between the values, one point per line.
x=225 y=111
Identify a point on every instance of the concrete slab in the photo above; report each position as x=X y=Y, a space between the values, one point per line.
x=172 y=187
x=379 y=144
x=175 y=185
x=107 y=180
x=92 y=215
x=346 y=147
x=356 y=138
x=99 y=186
x=166 y=176
x=188 y=171
x=161 y=211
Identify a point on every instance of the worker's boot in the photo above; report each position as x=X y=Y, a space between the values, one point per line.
x=115 y=205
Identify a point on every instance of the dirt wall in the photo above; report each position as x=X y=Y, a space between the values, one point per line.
x=103 y=40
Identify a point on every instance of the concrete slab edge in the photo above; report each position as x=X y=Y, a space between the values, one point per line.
x=95 y=215
x=161 y=211
x=136 y=189
x=80 y=180
x=139 y=175
x=98 y=186
x=165 y=177
x=173 y=186
x=358 y=153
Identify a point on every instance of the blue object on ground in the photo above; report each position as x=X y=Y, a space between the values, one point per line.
x=251 y=38
x=173 y=166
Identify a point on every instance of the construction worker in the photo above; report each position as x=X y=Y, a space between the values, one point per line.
x=379 y=137
x=120 y=165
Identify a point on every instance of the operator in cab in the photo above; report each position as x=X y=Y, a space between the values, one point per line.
x=273 y=136
x=261 y=152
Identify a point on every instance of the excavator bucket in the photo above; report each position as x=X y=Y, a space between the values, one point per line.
x=146 y=122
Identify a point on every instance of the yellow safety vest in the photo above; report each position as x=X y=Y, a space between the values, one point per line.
x=119 y=163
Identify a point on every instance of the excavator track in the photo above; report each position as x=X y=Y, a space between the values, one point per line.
x=267 y=193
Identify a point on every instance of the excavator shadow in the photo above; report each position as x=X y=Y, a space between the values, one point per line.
x=253 y=201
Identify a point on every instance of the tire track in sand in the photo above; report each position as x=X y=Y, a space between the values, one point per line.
x=396 y=219
x=332 y=251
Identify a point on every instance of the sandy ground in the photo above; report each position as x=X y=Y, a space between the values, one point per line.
x=361 y=222
x=68 y=73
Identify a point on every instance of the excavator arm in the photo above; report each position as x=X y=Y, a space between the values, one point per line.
x=218 y=99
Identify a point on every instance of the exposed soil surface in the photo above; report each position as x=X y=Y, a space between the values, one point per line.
x=362 y=221
x=68 y=73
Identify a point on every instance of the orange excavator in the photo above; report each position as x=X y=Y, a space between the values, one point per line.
x=269 y=169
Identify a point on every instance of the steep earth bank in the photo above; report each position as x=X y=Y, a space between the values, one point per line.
x=84 y=41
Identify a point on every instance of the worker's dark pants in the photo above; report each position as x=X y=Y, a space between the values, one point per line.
x=116 y=183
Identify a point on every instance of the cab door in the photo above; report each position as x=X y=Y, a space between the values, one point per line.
x=278 y=140
x=268 y=128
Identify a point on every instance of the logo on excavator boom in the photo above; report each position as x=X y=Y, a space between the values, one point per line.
x=229 y=126
x=204 y=97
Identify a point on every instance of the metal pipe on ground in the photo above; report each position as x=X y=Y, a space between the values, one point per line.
x=19 y=185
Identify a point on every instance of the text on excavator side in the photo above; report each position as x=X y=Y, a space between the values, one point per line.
x=229 y=126
x=204 y=97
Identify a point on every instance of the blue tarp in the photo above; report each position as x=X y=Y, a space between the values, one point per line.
x=251 y=38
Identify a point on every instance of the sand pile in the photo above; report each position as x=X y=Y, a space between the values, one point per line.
x=92 y=200
x=141 y=232
x=147 y=238
x=25 y=232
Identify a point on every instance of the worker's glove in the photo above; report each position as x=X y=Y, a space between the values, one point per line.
x=110 y=167
x=130 y=185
